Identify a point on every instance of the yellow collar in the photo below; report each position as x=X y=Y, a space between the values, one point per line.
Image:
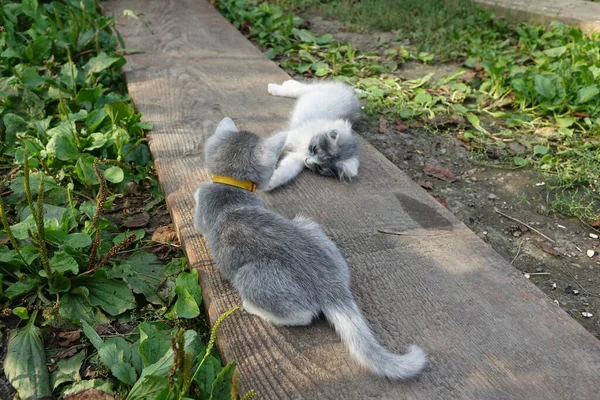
x=227 y=180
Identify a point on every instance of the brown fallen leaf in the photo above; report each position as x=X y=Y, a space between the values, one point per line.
x=66 y=353
x=401 y=126
x=138 y=221
x=547 y=248
x=424 y=184
x=595 y=224
x=441 y=200
x=67 y=338
x=439 y=172
x=90 y=394
x=4 y=240
x=132 y=189
x=165 y=234
x=478 y=66
x=468 y=76
x=383 y=125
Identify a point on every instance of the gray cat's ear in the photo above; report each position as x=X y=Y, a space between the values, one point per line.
x=226 y=125
x=333 y=136
x=276 y=143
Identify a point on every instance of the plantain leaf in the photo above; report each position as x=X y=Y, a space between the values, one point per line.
x=25 y=363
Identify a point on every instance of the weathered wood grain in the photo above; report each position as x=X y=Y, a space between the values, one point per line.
x=490 y=333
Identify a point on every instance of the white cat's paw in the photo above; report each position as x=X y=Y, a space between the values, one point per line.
x=290 y=82
x=274 y=89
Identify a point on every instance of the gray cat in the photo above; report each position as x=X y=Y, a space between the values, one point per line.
x=286 y=271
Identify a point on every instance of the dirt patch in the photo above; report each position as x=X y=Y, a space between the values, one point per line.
x=559 y=266
x=375 y=42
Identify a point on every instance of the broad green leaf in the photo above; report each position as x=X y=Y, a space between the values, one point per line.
x=89 y=95
x=110 y=354
x=62 y=142
x=185 y=306
x=189 y=296
x=150 y=387
x=587 y=93
x=49 y=211
x=58 y=283
x=25 y=363
x=324 y=39
x=162 y=367
x=540 y=150
x=76 y=307
x=78 y=240
x=304 y=35
x=556 y=51
x=92 y=335
x=114 y=174
x=84 y=169
x=139 y=235
x=149 y=275
x=189 y=281
x=29 y=7
x=95 y=119
x=99 y=63
x=19 y=288
x=67 y=370
x=521 y=162
x=95 y=141
x=31 y=79
x=62 y=148
x=153 y=343
x=124 y=372
x=221 y=387
x=544 y=87
x=118 y=111
x=111 y=295
x=62 y=263
x=21 y=312
x=98 y=384
x=207 y=375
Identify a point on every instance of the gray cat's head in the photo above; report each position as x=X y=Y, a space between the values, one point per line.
x=334 y=151
x=241 y=154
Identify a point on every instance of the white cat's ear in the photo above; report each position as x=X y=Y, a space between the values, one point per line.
x=226 y=125
x=349 y=168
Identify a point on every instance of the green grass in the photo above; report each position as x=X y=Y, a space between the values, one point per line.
x=429 y=25
x=538 y=86
x=71 y=143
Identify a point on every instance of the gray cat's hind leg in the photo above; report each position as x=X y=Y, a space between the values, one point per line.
x=299 y=318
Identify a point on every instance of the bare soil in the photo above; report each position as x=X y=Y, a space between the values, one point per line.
x=560 y=266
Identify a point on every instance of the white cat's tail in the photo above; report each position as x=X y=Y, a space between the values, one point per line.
x=362 y=345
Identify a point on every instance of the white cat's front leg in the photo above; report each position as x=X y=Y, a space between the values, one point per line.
x=289 y=167
x=289 y=88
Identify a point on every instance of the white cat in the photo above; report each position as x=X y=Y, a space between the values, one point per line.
x=319 y=135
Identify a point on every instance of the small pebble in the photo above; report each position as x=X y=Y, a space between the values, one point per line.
x=553 y=286
x=593 y=236
x=575 y=292
x=561 y=226
x=492 y=196
x=527 y=276
x=540 y=184
x=587 y=314
x=591 y=253
x=556 y=301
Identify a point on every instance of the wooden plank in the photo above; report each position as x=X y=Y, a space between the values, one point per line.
x=490 y=333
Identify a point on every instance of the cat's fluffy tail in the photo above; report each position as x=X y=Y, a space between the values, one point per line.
x=360 y=341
